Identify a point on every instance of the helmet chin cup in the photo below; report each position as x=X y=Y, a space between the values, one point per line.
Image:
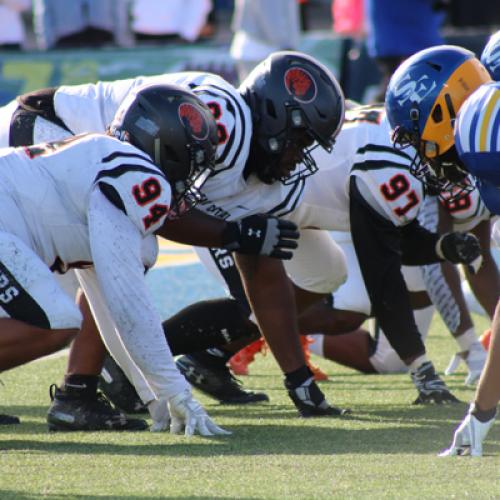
x=431 y=149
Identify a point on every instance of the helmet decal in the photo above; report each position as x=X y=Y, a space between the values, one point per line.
x=300 y=85
x=414 y=90
x=491 y=56
x=192 y=119
x=149 y=126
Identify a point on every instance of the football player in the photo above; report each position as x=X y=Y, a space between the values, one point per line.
x=95 y=203
x=289 y=104
x=363 y=185
x=452 y=127
x=371 y=352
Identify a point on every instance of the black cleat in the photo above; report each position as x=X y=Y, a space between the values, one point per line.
x=430 y=387
x=117 y=388
x=67 y=413
x=8 y=419
x=210 y=375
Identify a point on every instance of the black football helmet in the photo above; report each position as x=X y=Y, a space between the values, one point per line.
x=295 y=101
x=177 y=130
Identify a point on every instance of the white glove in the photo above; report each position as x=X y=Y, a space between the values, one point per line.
x=475 y=360
x=188 y=416
x=468 y=438
x=158 y=409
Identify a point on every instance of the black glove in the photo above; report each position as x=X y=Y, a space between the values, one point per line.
x=261 y=235
x=460 y=248
x=307 y=396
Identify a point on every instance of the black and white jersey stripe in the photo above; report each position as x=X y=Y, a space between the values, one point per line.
x=292 y=194
x=239 y=136
x=120 y=162
x=376 y=157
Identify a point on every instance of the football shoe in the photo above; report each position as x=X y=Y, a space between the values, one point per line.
x=239 y=362
x=69 y=413
x=430 y=387
x=210 y=375
x=8 y=419
x=117 y=388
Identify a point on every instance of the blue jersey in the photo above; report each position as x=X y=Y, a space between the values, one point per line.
x=477 y=138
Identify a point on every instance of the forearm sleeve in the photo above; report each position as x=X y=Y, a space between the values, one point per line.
x=418 y=245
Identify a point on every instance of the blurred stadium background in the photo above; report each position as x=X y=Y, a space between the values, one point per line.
x=468 y=23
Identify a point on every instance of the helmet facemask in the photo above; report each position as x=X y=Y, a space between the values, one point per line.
x=441 y=174
x=186 y=191
x=296 y=136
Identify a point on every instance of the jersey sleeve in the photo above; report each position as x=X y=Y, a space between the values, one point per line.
x=466 y=211
x=135 y=185
x=91 y=107
x=116 y=247
x=234 y=130
x=386 y=184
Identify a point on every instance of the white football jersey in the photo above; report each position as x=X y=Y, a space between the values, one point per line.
x=50 y=185
x=467 y=211
x=92 y=107
x=49 y=200
x=363 y=149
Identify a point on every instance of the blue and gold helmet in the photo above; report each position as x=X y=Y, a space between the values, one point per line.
x=422 y=101
x=491 y=56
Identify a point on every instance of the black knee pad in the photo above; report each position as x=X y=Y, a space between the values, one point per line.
x=207 y=324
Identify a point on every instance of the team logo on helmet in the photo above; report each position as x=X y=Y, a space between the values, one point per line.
x=414 y=90
x=300 y=84
x=492 y=60
x=192 y=119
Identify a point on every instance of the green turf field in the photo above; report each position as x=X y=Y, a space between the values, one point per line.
x=386 y=449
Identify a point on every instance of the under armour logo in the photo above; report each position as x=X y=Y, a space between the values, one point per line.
x=192 y=374
x=251 y=232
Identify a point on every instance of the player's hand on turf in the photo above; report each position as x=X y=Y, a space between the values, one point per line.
x=309 y=399
x=474 y=358
x=461 y=248
x=189 y=417
x=469 y=436
x=262 y=234
x=158 y=409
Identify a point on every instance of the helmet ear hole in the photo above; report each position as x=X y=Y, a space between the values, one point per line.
x=437 y=114
x=321 y=114
x=271 y=110
x=170 y=153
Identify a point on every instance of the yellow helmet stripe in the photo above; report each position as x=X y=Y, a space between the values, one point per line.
x=485 y=121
